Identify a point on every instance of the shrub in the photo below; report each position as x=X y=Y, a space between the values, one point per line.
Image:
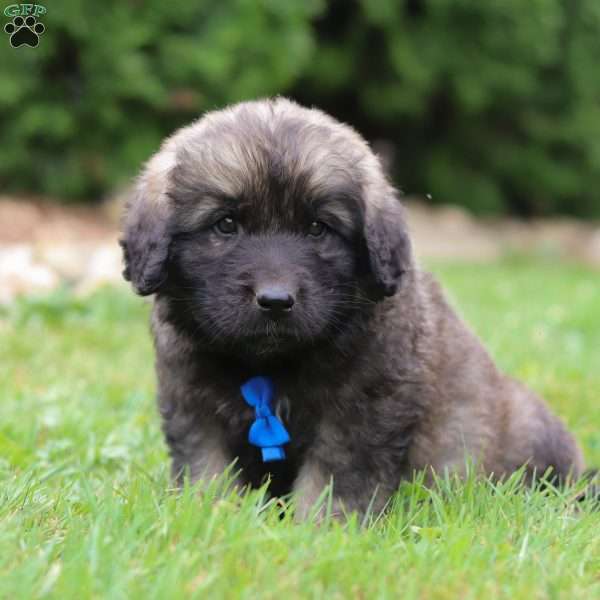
x=491 y=105
x=110 y=79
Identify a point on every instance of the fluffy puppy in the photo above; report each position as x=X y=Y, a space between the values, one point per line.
x=275 y=246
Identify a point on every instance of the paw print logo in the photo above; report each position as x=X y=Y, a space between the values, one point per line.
x=24 y=31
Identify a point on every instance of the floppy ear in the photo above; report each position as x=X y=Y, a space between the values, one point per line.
x=388 y=247
x=146 y=229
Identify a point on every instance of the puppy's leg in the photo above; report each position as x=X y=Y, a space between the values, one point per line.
x=206 y=457
x=308 y=487
x=357 y=485
x=197 y=449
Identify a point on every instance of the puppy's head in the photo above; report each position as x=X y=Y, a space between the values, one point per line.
x=267 y=225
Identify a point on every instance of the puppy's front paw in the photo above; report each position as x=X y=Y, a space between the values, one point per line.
x=314 y=498
x=325 y=507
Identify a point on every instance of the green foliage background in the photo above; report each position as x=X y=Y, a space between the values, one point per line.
x=492 y=105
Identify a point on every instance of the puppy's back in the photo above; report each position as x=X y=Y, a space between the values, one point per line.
x=479 y=411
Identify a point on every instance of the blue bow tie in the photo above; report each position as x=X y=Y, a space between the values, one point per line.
x=267 y=432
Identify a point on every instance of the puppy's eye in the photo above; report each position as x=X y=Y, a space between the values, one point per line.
x=226 y=226
x=317 y=229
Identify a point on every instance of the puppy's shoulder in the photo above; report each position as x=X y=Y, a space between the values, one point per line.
x=431 y=296
x=450 y=339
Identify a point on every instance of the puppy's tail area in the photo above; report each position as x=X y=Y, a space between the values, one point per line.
x=591 y=491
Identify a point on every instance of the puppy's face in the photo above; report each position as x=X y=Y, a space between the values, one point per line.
x=263 y=273
x=268 y=226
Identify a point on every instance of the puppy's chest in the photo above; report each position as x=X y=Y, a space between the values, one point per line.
x=237 y=416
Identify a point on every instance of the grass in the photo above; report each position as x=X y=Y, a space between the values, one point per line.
x=85 y=510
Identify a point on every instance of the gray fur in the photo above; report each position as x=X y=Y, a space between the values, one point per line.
x=376 y=376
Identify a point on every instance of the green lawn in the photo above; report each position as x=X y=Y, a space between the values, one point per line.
x=85 y=510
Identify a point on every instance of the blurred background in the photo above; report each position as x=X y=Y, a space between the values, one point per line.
x=486 y=114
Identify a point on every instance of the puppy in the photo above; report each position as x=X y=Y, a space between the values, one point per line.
x=275 y=247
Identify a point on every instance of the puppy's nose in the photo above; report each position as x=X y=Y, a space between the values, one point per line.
x=275 y=299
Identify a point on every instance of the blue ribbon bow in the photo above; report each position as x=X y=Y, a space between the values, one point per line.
x=267 y=432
